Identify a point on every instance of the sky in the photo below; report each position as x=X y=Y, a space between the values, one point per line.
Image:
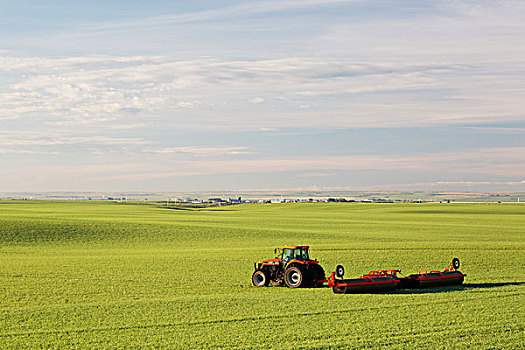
x=269 y=94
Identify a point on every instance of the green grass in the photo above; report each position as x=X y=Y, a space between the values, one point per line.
x=107 y=275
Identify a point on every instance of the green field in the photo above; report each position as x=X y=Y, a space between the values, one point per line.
x=108 y=275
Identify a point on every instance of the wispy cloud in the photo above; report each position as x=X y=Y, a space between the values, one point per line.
x=492 y=161
x=499 y=130
x=98 y=90
x=34 y=143
x=203 y=151
x=243 y=9
x=256 y=100
x=472 y=183
x=315 y=174
x=40 y=64
x=37 y=139
x=489 y=186
x=26 y=151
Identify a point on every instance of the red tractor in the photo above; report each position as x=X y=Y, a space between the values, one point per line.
x=292 y=266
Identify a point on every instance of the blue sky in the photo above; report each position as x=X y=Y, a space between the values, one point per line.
x=239 y=95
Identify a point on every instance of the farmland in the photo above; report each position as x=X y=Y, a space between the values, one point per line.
x=110 y=275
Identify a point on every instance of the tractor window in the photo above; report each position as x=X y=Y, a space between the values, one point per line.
x=301 y=254
x=287 y=254
x=306 y=256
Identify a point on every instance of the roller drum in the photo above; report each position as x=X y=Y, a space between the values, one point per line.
x=365 y=285
x=433 y=279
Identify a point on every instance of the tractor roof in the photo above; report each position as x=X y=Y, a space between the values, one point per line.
x=295 y=246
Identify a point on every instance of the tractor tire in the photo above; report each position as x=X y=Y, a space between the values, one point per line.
x=294 y=277
x=455 y=263
x=339 y=271
x=317 y=273
x=260 y=279
x=339 y=290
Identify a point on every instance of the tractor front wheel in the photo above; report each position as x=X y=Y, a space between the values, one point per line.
x=259 y=279
x=293 y=277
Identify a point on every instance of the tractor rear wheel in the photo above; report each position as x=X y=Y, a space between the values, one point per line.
x=293 y=277
x=316 y=275
x=259 y=279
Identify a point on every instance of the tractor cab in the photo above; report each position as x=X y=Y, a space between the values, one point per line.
x=293 y=252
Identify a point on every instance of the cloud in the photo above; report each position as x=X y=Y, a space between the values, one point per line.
x=35 y=143
x=469 y=183
x=311 y=92
x=240 y=10
x=36 y=139
x=499 y=130
x=203 y=151
x=39 y=64
x=187 y=104
x=256 y=100
x=315 y=174
x=489 y=186
x=507 y=164
x=26 y=151
x=504 y=161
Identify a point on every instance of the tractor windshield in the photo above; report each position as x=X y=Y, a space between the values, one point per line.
x=287 y=254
